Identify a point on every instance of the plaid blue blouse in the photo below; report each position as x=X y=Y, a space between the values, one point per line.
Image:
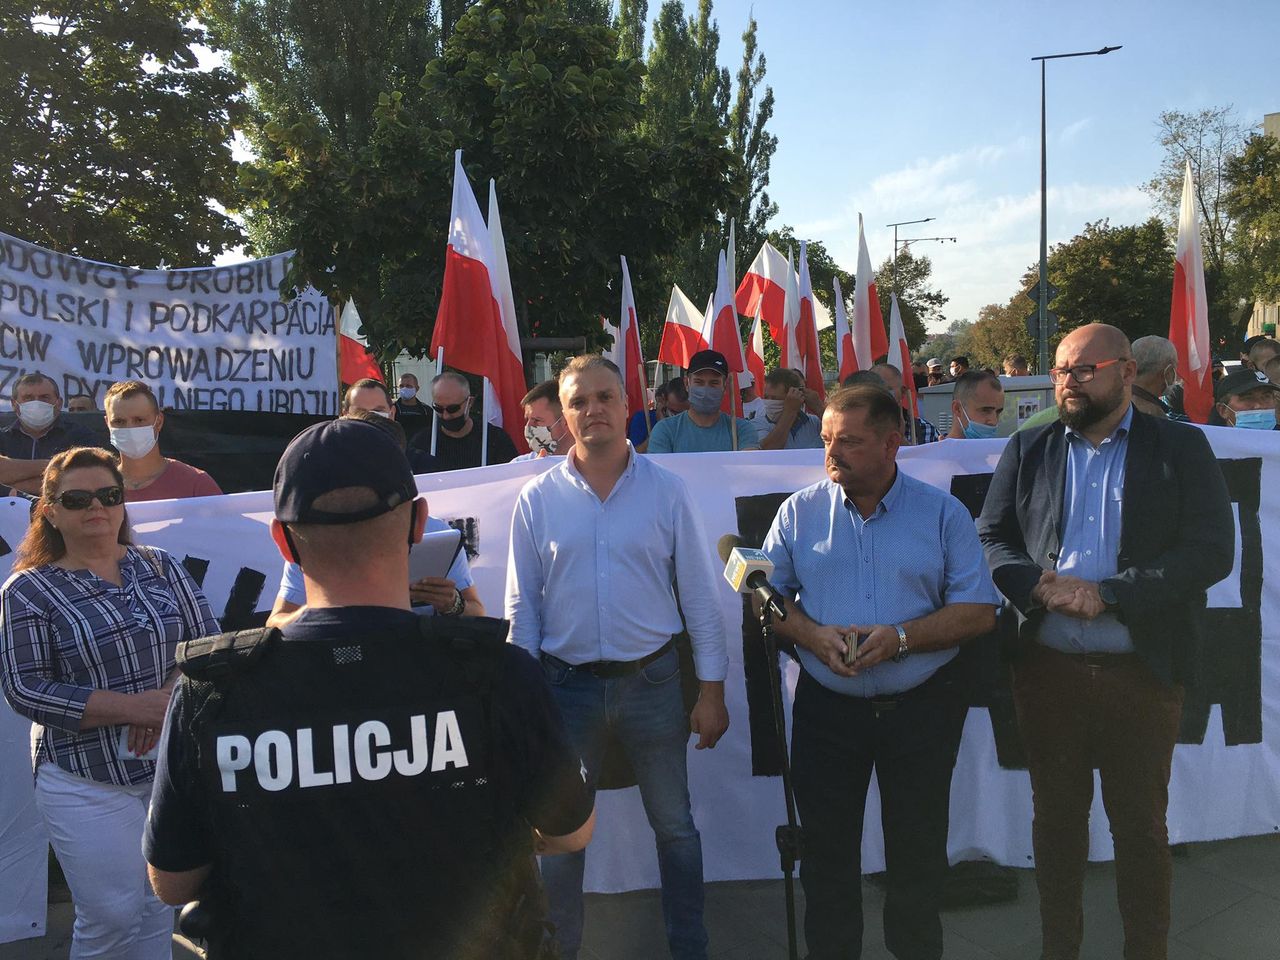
x=64 y=634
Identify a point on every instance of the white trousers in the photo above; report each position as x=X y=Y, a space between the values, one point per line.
x=96 y=832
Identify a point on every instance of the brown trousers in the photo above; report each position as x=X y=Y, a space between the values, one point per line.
x=1109 y=713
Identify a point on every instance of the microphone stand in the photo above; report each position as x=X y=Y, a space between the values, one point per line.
x=788 y=837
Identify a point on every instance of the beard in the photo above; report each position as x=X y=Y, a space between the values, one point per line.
x=1090 y=410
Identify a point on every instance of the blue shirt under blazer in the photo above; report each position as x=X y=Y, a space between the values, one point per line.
x=915 y=554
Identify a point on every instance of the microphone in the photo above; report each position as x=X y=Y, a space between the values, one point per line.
x=747 y=571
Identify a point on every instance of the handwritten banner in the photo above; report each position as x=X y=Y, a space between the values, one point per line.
x=216 y=338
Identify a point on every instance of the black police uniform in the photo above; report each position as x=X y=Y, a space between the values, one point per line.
x=364 y=788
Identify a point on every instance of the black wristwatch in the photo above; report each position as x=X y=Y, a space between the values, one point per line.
x=1108 y=594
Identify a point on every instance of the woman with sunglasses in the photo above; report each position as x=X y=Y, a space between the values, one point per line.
x=88 y=628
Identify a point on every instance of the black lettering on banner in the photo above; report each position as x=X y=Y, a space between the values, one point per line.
x=18 y=343
x=52 y=307
x=241 y=611
x=5 y=549
x=20 y=257
x=198 y=567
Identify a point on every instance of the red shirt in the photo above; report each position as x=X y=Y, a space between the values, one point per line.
x=178 y=481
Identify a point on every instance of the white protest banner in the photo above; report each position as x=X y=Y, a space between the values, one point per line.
x=216 y=338
x=1224 y=770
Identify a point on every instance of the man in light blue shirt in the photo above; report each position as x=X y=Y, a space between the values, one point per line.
x=598 y=542
x=888 y=578
x=703 y=428
x=787 y=425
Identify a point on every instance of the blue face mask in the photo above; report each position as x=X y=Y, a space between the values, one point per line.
x=706 y=400
x=979 y=431
x=1256 y=419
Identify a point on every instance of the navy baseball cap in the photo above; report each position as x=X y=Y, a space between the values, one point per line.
x=335 y=455
x=709 y=360
x=1241 y=381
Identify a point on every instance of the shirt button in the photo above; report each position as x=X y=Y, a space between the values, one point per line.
x=1093 y=484
x=1091 y=519
x=1088 y=553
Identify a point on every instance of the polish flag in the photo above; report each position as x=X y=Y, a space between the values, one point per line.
x=846 y=359
x=764 y=289
x=1189 y=314
x=755 y=353
x=355 y=362
x=682 y=331
x=627 y=349
x=900 y=353
x=507 y=408
x=869 y=341
x=788 y=343
x=724 y=336
x=470 y=326
x=807 y=329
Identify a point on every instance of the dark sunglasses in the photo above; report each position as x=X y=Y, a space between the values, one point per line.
x=80 y=499
x=451 y=409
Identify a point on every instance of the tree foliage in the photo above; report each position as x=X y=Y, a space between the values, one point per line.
x=543 y=104
x=918 y=302
x=115 y=139
x=1253 y=203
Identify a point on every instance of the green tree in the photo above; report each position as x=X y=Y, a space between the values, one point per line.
x=1253 y=202
x=999 y=332
x=115 y=139
x=544 y=105
x=630 y=25
x=918 y=302
x=954 y=341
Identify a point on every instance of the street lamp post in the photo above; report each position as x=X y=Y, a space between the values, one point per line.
x=1042 y=323
x=901 y=223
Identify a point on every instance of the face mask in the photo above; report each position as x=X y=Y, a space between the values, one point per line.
x=706 y=400
x=36 y=414
x=773 y=409
x=540 y=438
x=1256 y=419
x=133 y=442
x=408 y=393
x=979 y=431
x=457 y=422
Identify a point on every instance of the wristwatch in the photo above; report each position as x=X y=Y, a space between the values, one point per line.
x=903 y=649
x=1108 y=596
x=458 y=604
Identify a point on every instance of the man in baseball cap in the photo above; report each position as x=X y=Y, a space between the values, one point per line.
x=1247 y=399
x=704 y=427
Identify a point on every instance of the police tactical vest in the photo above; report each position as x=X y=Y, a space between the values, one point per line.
x=359 y=802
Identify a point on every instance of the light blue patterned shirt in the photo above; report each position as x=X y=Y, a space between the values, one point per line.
x=1092 y=500
x=917 y=553
x=590 y=580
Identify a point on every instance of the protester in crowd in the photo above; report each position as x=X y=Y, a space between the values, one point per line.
x=1157 y=360
x=958 y=366
x=597 y=544
x=920 y=374
x=1245 y=347
x=752 y=402
x=408 y=404
x=876 y=621
x=1015 y=365
x=670 y=399
x=1261 y=350
x=977 y=400
x=789 y=425
x=39 y=430
x=458 y=444
x=1103 y=532
x=88 y=628
x=915 y=430
x=935 y=375
x=703 y=427
x=81 y=403
x=409 y=837
x=133 y=416
x=1272 y=370
x=544 y=428
x=453 y=595
x=1246 y=398
x=373 y=397
x=1219 y=369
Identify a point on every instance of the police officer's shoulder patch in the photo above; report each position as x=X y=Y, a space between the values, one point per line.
x=220 y=658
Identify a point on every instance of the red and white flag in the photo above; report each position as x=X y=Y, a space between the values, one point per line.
x=846 y=359
x=900 y=353
x=1189 y=314
x=807 y=329
x=764 y=289
x=723 y=334
x=788 y=344
x=510 y=389
x=355 y=362
x=869 y=340
x=682 y=331
x=469 y=323
x=627 y=348
x=755 y=353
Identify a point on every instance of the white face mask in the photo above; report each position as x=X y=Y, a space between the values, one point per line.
x=36 y=414
x=540 y=438
x=134 y=442
x=408 y=393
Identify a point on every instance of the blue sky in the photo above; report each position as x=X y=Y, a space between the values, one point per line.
x=910 y=109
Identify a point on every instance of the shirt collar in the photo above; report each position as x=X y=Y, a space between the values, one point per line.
x=570 y=467
x=1119 y=433
x=887 y=503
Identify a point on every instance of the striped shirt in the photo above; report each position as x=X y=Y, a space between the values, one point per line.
x=65 y=634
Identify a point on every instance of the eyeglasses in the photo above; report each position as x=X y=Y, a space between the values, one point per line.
x=1083 y=373
x=449 y=410
x=80 y=499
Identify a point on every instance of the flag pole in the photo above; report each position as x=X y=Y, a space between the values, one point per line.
x=435 y=417
x=484 y=424
x=337 y=354
x=644 y=393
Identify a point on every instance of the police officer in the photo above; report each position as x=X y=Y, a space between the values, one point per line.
x=364 y=783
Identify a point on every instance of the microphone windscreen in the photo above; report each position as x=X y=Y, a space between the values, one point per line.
x=728 y=543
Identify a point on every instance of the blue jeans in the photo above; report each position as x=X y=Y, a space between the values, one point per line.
x=645 y=713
